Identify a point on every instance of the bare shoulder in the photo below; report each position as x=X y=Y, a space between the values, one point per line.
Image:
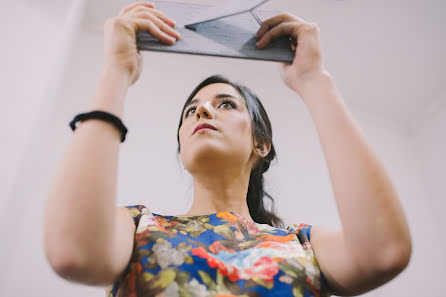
x=123 y=241
x=107 y=290
x=326 y=243
x=323 y=234
x=125 y=214
x=343 y=275
x=125 y=226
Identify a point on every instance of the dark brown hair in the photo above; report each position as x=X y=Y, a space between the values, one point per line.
x=261 y=131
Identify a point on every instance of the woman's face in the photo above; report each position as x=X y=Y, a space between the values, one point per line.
x=230 y=145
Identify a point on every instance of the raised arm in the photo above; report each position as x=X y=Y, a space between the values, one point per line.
x=87 y=238
x=374 y=244
x=81 y=219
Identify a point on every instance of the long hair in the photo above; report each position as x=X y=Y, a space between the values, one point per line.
x=261 y=130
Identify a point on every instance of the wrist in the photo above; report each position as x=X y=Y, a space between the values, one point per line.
x=110 y=92
x=315 y=83
x=115 y=74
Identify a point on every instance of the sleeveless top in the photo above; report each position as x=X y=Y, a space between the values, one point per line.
x=221 y=254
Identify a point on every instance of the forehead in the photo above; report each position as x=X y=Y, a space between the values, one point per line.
x=209 y=91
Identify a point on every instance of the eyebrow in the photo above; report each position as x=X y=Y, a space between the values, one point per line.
x=218 y=96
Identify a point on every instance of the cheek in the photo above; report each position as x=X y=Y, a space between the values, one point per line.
x=183 y=146
x=242 y=128
x=181 y=140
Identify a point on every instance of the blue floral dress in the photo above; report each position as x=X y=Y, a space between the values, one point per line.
x=218 y=255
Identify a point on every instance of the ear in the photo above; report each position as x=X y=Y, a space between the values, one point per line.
x=262 y=149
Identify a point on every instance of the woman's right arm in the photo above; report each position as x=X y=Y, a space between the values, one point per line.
x=87 y=238
x=81 y=220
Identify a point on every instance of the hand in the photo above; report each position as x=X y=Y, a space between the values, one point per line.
x=304 y=38
x=120 y=51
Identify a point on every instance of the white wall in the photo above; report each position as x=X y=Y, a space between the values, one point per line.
x=29 y=43
x=428 y=134
x=148 y=169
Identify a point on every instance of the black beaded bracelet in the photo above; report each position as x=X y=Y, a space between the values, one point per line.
x=102 y=115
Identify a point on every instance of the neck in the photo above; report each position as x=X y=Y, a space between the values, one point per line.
x=220 y=192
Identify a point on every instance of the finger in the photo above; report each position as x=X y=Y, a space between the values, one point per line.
x=293 y=43
x=158 y=13
x=162 y=25
x=132 y=6
x=287 y=28
x=164 y=17
x=148 y=26
x=276 y=20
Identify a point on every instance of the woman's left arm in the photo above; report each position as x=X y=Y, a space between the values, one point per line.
x=374 y=244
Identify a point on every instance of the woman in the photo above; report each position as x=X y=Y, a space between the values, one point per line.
x=227 y=244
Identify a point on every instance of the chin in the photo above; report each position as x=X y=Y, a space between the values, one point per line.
x=206 y=159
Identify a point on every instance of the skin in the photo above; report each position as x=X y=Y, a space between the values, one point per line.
x=85 y=241
x=220 y=161
x=374 y=244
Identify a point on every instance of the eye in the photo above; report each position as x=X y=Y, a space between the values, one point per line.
x=186 y=114
x=228 y=102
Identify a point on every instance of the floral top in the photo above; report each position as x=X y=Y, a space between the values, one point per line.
x=218 y=255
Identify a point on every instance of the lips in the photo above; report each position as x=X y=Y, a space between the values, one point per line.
x=204 y=125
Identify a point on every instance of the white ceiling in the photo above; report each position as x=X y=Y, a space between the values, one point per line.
x=387 y=56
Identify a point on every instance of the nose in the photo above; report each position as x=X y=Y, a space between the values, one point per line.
x=204 y=111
